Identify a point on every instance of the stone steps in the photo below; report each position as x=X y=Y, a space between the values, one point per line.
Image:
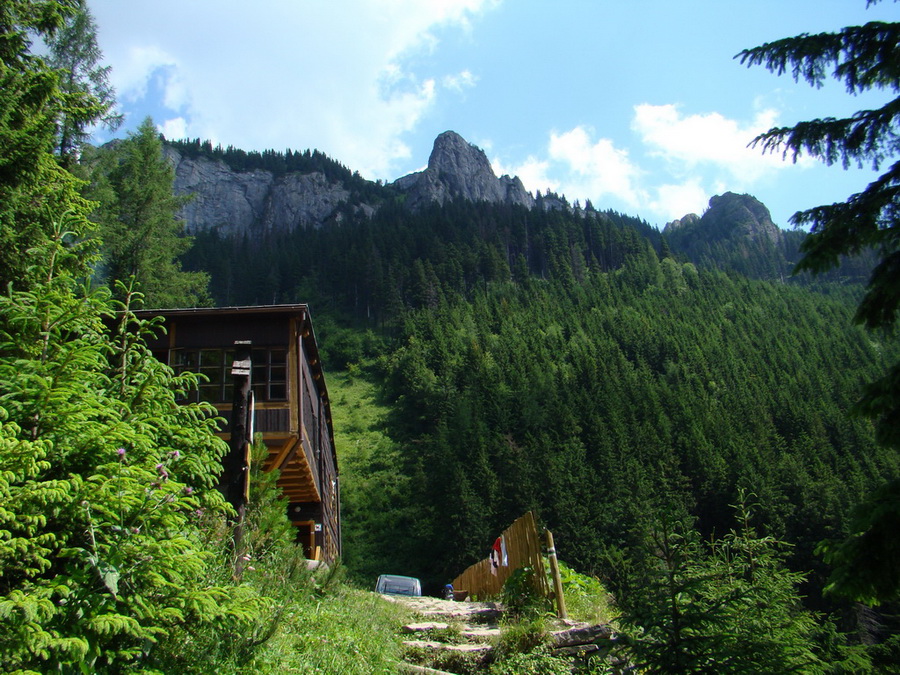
x=468 y=630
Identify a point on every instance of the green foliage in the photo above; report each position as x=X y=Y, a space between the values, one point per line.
x=33 y=188
x=521 y=596
x=594 y=405
x=142 y=238
x=103 y=479
x=532 y=662
x=863 y=58
x=87 y=94
x=586 y=598
x=374 y=505
x=731 y=607
x=872 y=547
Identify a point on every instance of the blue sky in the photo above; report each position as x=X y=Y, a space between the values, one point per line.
x=638 y=106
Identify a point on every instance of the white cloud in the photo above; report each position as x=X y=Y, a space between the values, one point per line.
x=580 y=168
x=688 y=141
x=595 y=169
x=174 y=129
x=680 y=161
x=338 y=76
x=141 y=64
x=460 y=81
x=674 y=201
x=533 y=172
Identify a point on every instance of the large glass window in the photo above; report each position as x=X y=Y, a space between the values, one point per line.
x=269 y=376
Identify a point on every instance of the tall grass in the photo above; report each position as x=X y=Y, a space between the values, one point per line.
x=292 y=619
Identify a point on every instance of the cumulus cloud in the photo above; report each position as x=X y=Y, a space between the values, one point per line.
x=533 y=172
x=677 y=163
x=671 y=201
x=710 y=138
x=595 y=169
x=338 y=76
x=175 y=128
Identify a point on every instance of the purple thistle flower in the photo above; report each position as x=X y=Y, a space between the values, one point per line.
x=120 y=452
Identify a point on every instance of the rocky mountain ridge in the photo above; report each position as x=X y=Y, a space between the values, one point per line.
x=459 y=170
x=251 y=202
x=254 y=202
x=257 y=201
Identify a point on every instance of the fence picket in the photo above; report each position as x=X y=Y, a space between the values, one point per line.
x=523 y=549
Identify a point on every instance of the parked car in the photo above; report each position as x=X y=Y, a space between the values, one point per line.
x=395 y=584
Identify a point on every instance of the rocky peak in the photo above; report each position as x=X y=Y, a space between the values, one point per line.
x=459 y=170
x=729 y=216
x=685 y=221
x=743 y=214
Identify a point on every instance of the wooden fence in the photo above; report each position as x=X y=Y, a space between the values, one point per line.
x=523 y=549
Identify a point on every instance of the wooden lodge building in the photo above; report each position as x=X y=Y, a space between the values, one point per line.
x=289 y=408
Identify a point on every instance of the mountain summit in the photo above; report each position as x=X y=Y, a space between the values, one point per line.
x=730 y=216
x=459 y=170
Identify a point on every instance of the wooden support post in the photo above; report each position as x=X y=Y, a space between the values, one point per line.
x=557 y=581
x=235 y=481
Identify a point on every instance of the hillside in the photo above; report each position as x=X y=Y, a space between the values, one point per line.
x=500 y=352
x=576 y=362
x=681 y=410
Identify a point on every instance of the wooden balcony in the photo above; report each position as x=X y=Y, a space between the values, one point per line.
x=292 y=411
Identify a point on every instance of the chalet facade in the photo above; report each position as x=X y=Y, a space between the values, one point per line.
x=290 y=406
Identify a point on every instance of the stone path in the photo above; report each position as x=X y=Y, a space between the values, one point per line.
x=451 y=630
x=448 y=631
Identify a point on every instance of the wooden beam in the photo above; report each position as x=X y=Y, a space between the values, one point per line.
x=283 y=455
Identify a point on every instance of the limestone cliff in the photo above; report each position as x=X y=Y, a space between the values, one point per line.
x=254 y=201
x=459 y=170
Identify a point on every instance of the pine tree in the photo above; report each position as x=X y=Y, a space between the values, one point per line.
x=141 y=233
x=863 y=58
x=89 y=96
x=33 y=188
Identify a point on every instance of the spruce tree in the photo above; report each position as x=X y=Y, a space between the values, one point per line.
x=83 y=82
x=142 y=235
x=730 y=606
x=863 y=58
x=34 y=190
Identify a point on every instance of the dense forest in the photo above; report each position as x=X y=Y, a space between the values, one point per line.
x=681 y=411
x=577 y=365
x=542 y=360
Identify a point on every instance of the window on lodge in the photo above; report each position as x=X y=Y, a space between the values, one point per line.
x=268 y=380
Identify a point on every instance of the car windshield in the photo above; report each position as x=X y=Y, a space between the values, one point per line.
x=397 y=585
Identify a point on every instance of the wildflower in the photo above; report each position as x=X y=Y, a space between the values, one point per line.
x=120 y=452
x=188 y=490
x=174 y=454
